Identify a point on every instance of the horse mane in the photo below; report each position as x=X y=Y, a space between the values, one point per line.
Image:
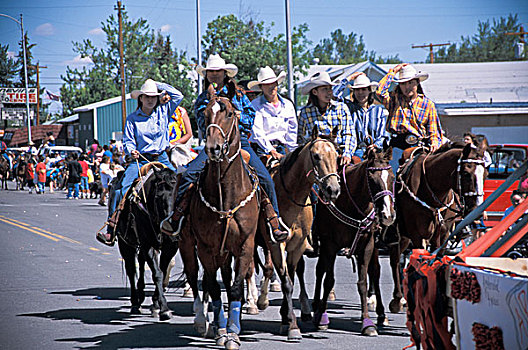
x=449 y=146
x=290 y=159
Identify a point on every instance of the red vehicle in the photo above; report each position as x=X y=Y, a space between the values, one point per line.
x=505 y=159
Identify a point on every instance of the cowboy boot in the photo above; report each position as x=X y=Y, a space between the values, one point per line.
x=173 y=224
x=279 y=231
x=109 y=237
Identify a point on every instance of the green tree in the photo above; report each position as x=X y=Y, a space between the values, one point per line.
x=9 y=67
x=489 y=43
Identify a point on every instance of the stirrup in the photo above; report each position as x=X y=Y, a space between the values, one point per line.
x=285 y=232
x=101 y=236
x=171 y=232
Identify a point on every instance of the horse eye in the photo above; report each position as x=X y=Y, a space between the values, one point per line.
x=317 y=157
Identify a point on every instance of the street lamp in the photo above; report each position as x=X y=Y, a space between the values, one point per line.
x=21 y=23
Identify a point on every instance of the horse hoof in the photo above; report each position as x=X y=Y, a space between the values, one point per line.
x=262 y=303
x=369 y=329
x=294 y=335
x=135 y=310
x=284 y=328
x=332 y=295
x=154 y=312
x=383 y=321
x=322 y=321
x=221 y=337
x=200 y=328
x=210 y=333
x=306 y=317
x=275 y=286
x=252 y=310
x=396 y=306
x=232 y=342
x=165 y=316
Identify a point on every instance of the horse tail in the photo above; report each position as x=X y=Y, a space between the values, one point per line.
x=258 y=262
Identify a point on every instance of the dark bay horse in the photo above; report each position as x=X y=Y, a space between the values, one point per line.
x=20 y=173
x=139 y=235
x=4 y=172
x=222 y=220
x=366 y=203
x=294 y=177
x=429 y=187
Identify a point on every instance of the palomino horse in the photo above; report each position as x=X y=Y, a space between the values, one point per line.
x=222 y=220
x=428 y=188
x=294 y=177
x=366 y=202
x=148 y=202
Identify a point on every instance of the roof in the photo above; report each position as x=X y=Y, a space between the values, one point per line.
x=501 y=108
x=70 y=119
x=38 y=132
x=478 y=82
x=103 y=103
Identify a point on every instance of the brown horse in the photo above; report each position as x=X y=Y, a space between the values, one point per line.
x=294 y=177
x=428 y=188
x=20 y=173
x=4 y=172
x=222 y=220
x=366 y=203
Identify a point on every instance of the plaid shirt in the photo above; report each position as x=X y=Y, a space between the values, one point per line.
x=418 y=117
x=337 y=114
x=241 y=103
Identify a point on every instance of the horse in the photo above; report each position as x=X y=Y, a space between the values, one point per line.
x=428 y=189
x=294 y=177
x=4 y=172
x=20 y=174
x=147 y=203
x=365 y=204
x=221 y=221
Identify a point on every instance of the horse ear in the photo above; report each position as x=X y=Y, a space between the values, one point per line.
x=315 y=132
x=369 y=140
x=211 y=92
x=388 y=153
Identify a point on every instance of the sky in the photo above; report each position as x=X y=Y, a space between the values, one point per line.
x=388 y=27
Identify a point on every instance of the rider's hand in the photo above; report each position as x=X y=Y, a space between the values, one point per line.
x=276 y=154
x=399 y=67
x=354 y=75
x=345 y=160
x=165 y=98
x=135 y=154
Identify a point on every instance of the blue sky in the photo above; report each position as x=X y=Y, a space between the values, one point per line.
x=388 y=27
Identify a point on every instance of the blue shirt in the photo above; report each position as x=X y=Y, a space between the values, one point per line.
x=370 y=122
x=150 y=133
x=241 y=103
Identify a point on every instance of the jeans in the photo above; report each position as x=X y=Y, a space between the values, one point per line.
x=84 y=183
x=41 y=186
x=73 y=188
x=395 y=162
x=197 y=165
x=132 y=173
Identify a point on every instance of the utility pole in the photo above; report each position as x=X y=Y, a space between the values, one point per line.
x=120 y=8
x=519 y=49
x=520 y=33
x=430 y=46
x=289 y=51
x=37 y=67
x=198 y=45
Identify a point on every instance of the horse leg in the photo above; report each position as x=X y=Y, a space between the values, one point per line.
x=397 y=302
x=129 y=257
x=374 y=271
x=227 y=276
x=252 y=294
x=157 y=278
x=267 y=271
x=306 y=309
x=327 y=259
x=168 y=251
x=211 y=286
x=365 y=253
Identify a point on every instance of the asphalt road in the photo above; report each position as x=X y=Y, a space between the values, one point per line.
x=61 y=289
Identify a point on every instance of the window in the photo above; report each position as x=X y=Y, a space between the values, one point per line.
x=505 y=161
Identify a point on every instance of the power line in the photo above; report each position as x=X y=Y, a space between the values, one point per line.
x=430 y=46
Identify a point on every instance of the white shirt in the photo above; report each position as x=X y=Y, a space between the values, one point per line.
x=274 y=123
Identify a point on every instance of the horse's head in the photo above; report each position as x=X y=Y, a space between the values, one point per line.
x=161 y=190
x=471 y=174
x=380 y=183
x=221 y=119
x=323 y=165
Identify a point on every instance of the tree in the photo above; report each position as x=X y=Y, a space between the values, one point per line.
x=489 y=43
x=9 y=67
x=249 y=45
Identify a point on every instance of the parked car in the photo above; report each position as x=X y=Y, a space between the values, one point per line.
x=505 y=159
x=63 y=151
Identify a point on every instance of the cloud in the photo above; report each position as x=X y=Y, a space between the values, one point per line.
x=11 y=54
x=78 y=61
x=165 y=28
x=96 y=31
x=45 y=29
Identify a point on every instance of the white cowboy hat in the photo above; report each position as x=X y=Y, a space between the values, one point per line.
x=362 y=81
x=148 y=88
x=266 y=75
x=409 y=73
x=318 y=79
x=215 y=62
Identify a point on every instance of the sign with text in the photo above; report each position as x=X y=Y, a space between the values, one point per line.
x=17 y=95
x=16 y=113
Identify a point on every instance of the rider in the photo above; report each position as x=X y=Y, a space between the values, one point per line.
x=145 y=139
x=275 y=126
x=3 y=152
x=219 y=73
x=369 y=119
x=410 y=111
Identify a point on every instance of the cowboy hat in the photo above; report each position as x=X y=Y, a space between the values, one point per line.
x=266 y=75
x=318 y=79
x=409 y=73
x=215 y=62
x=362 y=81
x=148 y=88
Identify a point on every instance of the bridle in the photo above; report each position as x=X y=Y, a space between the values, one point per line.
x=226 y=145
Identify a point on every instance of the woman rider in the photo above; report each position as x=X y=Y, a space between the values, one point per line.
x=145 y=139
x=221 y=74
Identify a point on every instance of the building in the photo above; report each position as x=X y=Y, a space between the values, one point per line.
x=489 y=98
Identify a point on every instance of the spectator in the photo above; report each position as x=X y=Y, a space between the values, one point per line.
x=30 y=173
x=516 y=199
x=74 y=176
x=41 y=175
x=84 y=176
x=107 y=152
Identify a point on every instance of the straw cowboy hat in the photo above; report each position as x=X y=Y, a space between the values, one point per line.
x=215 y=62
x=148 y=88
x=266 y=75
x=318 y=79
x=409 y=73
x=362 y=81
